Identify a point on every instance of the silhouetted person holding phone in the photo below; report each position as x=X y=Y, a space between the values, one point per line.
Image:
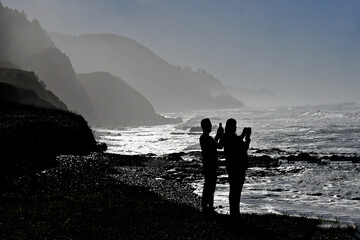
x=209 y=147
x=235 y=149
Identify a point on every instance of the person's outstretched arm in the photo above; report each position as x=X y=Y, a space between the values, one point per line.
x=247 y=138
x=245 y=135
x=219 y=138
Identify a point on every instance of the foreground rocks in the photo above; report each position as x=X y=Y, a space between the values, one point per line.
x=106 y=196
x=74 y=172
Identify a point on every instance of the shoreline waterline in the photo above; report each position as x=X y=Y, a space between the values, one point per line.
x=109 y=194
x=324 y=138
x=287 y=187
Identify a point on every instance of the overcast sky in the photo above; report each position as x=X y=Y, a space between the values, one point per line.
x=308 y=50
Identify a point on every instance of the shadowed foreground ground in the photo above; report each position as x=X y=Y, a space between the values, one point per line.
x=102 y=196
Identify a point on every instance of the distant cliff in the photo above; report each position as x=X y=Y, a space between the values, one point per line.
x=117 y=103
x=167 y=87
x=263 y=98
x=26 y=45
x=55 y=69
x=20 y=38
x=29 y=90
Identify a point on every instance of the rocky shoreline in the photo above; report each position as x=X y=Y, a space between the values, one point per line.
x=113 y=196
x=74 y=171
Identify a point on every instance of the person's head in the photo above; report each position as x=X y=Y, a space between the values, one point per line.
x=206 y=125
x=230 y=126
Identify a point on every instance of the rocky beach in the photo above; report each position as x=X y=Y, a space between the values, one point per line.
x=112 y=196
x=59 y=184
x=101 y=104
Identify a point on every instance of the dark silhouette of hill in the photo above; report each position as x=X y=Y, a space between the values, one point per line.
x=117 y=103
x=29 y=89
x=23 y=96
x=7 y=64
x=24 y=44
x=31 y=138
x=55 y=69
x=167 y=87
x=27 y=45
x=20 y=38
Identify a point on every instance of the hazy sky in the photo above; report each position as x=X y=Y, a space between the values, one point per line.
x=303 y=49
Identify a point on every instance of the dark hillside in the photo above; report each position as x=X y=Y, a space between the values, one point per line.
x=29 y=81
x=7 y=64
x=31 y=137
x=25 y=44
x=167 y=87
x=117 y=103
x=55 y=69
x=22 y=96
x=20 y=38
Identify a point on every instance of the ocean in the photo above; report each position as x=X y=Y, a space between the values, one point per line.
x=330 y=190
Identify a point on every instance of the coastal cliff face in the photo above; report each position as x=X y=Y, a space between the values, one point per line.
x=20 y=38
x=55 y=69
x=117 y=103
x=35 y=125
x=11 y=93
x=31 y=137
x=156 y=79
x=25 y=88
x=25 y=45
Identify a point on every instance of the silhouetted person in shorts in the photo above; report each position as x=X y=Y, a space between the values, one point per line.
x=209 y=147
x=235 y=149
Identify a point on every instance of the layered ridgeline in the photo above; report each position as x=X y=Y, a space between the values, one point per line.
x=54 y=67
x=25 y=88
x=20 y=38
x=24 y=44
x=35 y=127
x=167 y=87
x=117 y=103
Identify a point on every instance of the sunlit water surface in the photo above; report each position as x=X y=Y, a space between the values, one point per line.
x=330 y=190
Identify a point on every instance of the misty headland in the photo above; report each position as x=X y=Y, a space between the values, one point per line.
x=57 y=90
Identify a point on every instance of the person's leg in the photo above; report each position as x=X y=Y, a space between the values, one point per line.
x=212 y=187
x=234 y=198
x=241 y=184
x=205 y=194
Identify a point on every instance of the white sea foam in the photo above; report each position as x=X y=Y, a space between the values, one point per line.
x=329 y=190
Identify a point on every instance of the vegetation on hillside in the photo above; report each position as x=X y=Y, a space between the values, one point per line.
x=27 y=83
x=19 y=37
x=31 y=138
